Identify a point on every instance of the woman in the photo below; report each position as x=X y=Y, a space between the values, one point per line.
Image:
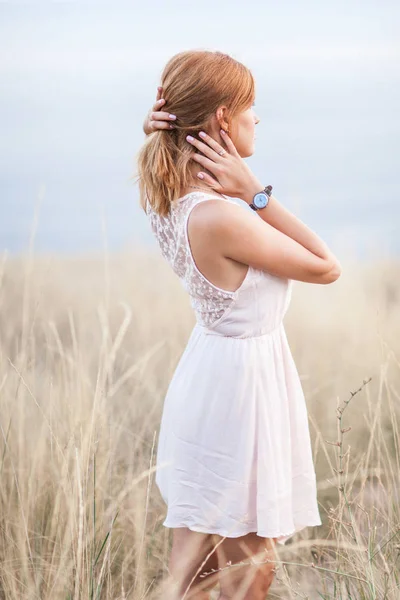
x=234 y=461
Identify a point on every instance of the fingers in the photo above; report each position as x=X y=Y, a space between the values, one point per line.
x=161 y=115
x=157 y=119
x=157 y=125
x=211 y=142
x=209 y=181
x=159 y=101
x=158 y=104
x=161 y=120
x=208 y=164
x=210 y=149
x=229 y=144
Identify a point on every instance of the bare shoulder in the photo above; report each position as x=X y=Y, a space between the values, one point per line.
x=225 y=221
x=217 y=213
x=207 y=220
x=226 y=225
x=238 y=233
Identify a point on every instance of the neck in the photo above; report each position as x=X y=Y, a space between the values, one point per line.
x=196 y=183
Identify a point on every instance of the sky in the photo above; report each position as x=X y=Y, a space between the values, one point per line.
x=77 y=79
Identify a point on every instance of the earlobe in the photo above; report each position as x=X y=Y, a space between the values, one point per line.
x=221 y=119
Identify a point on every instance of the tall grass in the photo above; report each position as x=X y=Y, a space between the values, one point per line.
x=87 y=349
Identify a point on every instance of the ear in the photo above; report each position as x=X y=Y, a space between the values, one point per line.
x=221 y=118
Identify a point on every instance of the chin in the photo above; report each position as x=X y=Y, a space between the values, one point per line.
x=246 y=152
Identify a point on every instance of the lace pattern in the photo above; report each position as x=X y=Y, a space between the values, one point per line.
x=208 y=301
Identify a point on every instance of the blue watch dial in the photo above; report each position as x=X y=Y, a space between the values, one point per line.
x=260 y=200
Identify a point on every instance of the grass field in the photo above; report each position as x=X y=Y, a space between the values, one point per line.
x=87 y=349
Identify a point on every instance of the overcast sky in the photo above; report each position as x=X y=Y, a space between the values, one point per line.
x=77 y=79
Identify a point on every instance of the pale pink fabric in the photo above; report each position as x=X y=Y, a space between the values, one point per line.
x=234 y=453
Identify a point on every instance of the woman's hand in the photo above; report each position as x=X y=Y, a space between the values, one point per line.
x=156 y=118
x=233 y=177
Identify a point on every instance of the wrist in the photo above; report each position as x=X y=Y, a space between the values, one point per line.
x=251 y=190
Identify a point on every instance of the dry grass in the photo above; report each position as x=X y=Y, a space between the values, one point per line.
x=87 y=349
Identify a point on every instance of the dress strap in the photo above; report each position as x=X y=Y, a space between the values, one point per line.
x=212 y=196
x=185 y=236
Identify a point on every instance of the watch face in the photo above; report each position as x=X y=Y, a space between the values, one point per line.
x=260 y=200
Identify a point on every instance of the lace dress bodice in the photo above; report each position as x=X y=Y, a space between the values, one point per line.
x=257 y=306
x=208 y=300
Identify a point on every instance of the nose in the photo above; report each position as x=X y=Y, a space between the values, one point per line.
x=256 y=119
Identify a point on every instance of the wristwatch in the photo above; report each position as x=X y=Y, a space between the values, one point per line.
x=261 y=199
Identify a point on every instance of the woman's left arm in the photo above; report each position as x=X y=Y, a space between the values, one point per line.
x=156 y=118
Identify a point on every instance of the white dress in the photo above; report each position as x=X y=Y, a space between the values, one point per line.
x=234 y=453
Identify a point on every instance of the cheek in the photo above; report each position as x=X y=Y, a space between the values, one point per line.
x=249 y=125
x=245 y=128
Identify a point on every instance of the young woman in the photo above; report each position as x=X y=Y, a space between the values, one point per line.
x=234 y=461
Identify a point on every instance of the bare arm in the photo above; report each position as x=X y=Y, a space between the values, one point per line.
x=305 y=257
x=279 y=217
x=290 y=248
x=285 y=221
x=242 y=236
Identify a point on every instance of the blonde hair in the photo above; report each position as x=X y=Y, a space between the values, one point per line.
x=195 y=83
